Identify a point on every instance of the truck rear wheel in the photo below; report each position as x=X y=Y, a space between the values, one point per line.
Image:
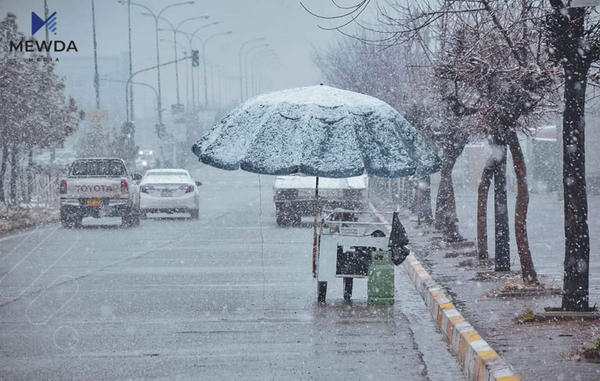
x=131 y=217
x=321 y=292
x=287 y=215
x=70 y=219
x=281 y=215
x=348 y=283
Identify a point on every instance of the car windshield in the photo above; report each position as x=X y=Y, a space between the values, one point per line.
x=108 y=168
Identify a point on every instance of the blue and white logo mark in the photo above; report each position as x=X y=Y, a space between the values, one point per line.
x=37 y=23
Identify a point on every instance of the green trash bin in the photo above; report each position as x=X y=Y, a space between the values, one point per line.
x=380 y=287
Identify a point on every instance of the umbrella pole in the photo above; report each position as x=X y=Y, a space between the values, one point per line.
x=315 y=211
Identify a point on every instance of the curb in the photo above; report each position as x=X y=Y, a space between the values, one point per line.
x=478 y=360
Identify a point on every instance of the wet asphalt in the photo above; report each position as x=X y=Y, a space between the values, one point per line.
x=227 y=297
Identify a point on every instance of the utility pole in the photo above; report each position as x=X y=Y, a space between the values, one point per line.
x=46 y=12
x=130 y=59
x=96 y=76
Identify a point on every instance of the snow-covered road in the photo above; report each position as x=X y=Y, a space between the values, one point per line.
x=200 y=300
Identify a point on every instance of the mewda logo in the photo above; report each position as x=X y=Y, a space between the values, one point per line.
x=37 y=23
x=33 y=45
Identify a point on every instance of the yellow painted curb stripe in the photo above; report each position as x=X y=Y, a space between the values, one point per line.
x=456 y=319
x=488 y=354
x=471 y=336
x=465 y=339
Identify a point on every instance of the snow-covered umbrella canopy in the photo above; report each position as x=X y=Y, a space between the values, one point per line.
x=318 y=131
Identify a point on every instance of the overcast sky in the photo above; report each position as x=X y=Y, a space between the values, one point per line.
x=290 y=31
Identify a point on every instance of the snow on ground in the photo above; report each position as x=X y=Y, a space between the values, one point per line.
x=546 y=232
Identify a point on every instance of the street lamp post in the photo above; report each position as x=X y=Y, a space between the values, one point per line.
x=128 y=83
x=130 y=60
x=170 y=42
x=204 y=43
x=156 y=19
x=134 y=83
x=190 y=37
x=187 y=84
x=240 y=63
x=175 y=29
x=246 y=65
x=266 y=82
x=268 y=54
x=96 y=76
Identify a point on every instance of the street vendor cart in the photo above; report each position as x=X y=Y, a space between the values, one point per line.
x=347 y=241
x=328 y=133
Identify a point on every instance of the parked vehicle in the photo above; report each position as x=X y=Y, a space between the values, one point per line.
x=169 y=191
x=99 y=187
x=294 y=196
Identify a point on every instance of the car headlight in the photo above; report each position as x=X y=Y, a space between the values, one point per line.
x=141 y=152
x=144 y=163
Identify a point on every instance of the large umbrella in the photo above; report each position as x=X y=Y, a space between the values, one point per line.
x=318 y=131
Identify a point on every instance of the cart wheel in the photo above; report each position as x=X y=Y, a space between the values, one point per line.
x=348 y=283
x=321 y=292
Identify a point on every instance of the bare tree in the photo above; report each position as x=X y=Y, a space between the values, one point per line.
x=403 y=76
x=34 y=111
x=494 y=67
x=573 y=35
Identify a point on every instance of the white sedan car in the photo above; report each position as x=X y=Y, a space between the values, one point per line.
x=169 y=191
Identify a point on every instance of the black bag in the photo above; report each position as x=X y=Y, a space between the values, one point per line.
x=399 y=254
x=398 y=241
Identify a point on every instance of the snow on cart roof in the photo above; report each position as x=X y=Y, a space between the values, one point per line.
x=308 y=182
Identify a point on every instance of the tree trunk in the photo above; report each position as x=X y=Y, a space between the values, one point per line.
x=425 y=211
x=482 y=200
x=3 y=171
x=501 y=227
x=14 y=174
x=577 y=241
x=522 y=204
x=446 y=218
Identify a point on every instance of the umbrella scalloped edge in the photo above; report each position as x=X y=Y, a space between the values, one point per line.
x=318 y=131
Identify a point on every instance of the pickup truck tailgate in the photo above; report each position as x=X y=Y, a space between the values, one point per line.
x=93 y=188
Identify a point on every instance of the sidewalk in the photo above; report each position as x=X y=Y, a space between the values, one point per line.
x=536 y=351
